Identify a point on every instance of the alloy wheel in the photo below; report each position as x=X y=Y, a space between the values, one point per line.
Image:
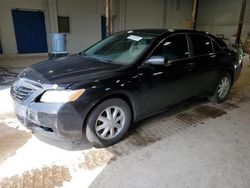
x=223 y=87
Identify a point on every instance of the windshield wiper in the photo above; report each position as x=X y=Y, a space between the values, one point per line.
x=82 y=53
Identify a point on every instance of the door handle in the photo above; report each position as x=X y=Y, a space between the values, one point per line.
x=191 y=64
x=212 y=55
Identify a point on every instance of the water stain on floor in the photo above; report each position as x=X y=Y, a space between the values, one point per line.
x=240 y=98
x=47 y=177
x=99 y=157
x=200 y=113
x=10 y=140
x=96 y=158
x=234 y=100
x=209 y=112
x=142 y=139
x=229 y=105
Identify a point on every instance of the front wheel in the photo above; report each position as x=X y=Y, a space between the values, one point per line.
x=222 y=89
x=108 y=123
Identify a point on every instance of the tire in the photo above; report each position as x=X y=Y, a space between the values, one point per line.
x=102 y=130
x=218 y=97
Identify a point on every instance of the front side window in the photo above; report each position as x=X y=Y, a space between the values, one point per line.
x=121 y=48
x=173 y=48
x=201 y=44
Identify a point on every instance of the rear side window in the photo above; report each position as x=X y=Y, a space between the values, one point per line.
x=217 y=48
x=201 y=44
x=173 y=48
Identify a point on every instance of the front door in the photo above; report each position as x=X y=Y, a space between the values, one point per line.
x=30 y=31
x=166 y=85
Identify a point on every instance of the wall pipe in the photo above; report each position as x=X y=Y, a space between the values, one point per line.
x=241 y=21
x=194 y=13
x=109 y=16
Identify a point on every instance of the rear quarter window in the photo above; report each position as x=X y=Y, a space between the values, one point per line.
x=217 y=48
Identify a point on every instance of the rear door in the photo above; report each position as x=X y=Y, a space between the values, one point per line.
x=205 y=61
x=165 y=85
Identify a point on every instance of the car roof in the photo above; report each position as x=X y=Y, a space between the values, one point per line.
x=164 y=31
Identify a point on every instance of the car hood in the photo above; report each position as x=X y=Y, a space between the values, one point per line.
x=69 y=70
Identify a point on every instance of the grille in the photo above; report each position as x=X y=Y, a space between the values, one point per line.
x=21 y=93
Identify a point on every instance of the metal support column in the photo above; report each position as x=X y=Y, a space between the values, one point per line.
x=53 y=13
x=194 y=13
x=242 y=14
x=109 y=16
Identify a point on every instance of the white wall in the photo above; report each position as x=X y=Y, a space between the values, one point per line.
x=8 y=37
x=144 y=14
x=222 y=17
x=85 y=18
x=85 y=22
x=179 y=13
x=215 y=16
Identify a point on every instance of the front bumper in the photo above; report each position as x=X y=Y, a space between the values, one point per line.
x=54 y=123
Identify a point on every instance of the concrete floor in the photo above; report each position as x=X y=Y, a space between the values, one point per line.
x=198 y=144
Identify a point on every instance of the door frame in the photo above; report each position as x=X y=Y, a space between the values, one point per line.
x=47 y=29
x=1 y=43
x=103 y=26
x=1 y=47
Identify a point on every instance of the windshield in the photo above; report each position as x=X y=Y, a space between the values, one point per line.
x=121 y=48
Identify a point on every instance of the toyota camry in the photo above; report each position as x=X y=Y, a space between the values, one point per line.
x=98 y=93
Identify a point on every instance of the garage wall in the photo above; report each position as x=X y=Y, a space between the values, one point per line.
x=222 y=17
x=85 y=18
x=153 y=14
x=85 y=22
x=179 y=13
x=6 y=23
x=144 y=14
x=215 y=16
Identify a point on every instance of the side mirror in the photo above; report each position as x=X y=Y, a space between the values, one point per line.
x=156 y=60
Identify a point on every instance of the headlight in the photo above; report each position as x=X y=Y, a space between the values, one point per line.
x=61 y=96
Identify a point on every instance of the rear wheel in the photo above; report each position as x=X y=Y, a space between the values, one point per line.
x=108 y=123
x=222 y=89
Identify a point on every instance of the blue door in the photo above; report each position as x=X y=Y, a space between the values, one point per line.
x=103 y=27
x=30 y=31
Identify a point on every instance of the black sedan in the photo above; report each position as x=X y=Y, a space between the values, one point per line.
x=126 y=77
